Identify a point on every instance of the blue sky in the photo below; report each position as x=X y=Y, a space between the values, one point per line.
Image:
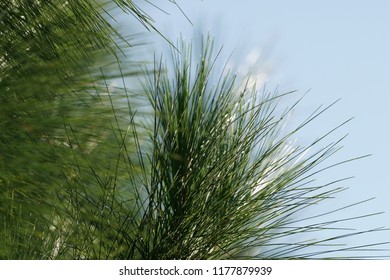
x=335 y=49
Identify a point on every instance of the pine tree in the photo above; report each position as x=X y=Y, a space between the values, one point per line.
x=196 y=166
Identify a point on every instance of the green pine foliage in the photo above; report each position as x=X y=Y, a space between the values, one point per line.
x=58 y=60
x=196 y=166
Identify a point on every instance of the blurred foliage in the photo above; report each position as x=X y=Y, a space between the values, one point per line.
x=59 y=61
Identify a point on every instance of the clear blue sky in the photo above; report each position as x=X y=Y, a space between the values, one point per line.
x=337 y=49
